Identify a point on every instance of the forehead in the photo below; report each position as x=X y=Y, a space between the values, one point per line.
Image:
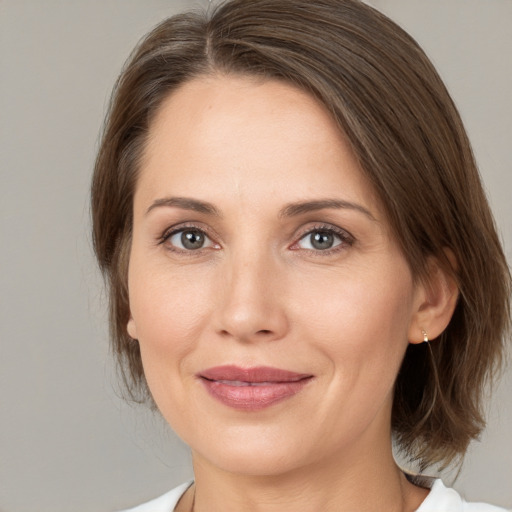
x=220 y=133
x=215 y=110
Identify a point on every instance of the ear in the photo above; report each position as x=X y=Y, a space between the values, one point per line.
x=132 y=328
x=435 y=302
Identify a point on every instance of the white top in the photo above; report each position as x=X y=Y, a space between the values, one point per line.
x=440 y=499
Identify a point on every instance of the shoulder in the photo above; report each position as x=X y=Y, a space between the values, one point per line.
x=164 y=503
x=445 y=499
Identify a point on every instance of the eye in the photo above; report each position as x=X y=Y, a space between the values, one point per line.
x=188 y=239
x=323 y=239
x=319 y=240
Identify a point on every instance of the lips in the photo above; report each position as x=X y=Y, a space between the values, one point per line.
x=252 y=389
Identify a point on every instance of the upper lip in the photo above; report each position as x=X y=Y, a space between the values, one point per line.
x=254 y=374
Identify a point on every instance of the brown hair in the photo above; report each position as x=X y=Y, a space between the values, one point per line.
x=405 y=130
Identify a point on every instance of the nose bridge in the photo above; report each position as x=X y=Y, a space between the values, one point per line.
x=252 y=307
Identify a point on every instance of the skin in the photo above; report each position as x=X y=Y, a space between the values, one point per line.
x=259 y=293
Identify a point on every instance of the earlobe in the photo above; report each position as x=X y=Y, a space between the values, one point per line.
x=132 y=328
x=438 y=297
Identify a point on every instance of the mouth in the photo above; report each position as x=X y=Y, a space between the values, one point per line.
x=252 y=389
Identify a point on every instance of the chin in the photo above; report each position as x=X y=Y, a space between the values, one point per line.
x=255 y=451
x=260 y=463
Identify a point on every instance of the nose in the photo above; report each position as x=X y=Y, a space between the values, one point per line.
x=251 y=305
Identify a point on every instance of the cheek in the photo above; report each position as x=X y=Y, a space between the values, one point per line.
x=360 y=329
x=360 y=319
x=169 y=309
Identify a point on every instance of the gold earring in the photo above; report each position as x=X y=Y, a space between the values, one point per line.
x=425 y=336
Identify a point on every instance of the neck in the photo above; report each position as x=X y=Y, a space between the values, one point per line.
x=332 y=486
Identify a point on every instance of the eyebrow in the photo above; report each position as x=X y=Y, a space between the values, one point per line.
x=300 y=208
x=290 y=210
x=186 y=203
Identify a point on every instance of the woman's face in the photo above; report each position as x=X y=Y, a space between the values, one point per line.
x=271 y=303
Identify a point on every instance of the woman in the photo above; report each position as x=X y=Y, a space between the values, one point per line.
x=301 y=259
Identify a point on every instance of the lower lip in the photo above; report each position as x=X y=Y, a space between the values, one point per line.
x=253 y=397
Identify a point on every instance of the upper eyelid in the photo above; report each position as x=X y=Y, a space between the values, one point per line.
x=326 y=227
x=183 y=226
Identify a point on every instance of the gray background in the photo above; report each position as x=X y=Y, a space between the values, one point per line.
x=67 y=440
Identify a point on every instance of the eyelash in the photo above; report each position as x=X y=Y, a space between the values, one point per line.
x=346 y=239
x=178 y=229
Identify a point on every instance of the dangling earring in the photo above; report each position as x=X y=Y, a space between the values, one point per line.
x=425 y=336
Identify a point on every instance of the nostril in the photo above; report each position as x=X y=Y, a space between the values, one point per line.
x=264 y=331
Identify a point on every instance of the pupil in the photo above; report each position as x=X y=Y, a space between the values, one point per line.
x=322 y=240
x=192 y=239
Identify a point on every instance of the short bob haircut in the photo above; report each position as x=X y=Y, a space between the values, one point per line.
x=397 y=115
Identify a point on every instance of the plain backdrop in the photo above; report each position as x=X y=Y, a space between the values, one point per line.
x=68 y=442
